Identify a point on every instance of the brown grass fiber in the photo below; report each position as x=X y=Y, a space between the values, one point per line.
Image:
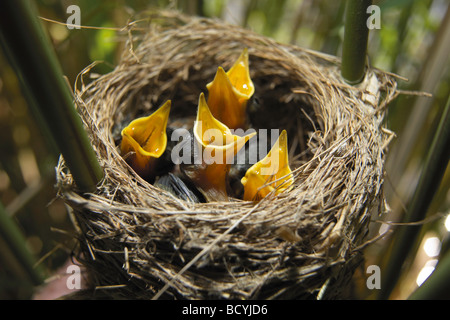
x=137 y=241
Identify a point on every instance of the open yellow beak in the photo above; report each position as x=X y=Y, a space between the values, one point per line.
x=219 y=147
x=269 y=174
x=229 y=93
x=146 y=139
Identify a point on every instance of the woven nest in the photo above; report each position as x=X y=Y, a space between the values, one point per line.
x=141 y=242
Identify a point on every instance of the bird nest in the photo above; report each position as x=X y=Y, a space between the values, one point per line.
x=137 y=240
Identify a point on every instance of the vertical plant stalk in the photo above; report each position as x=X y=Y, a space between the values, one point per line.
x=31 y=54
x=432 y=173
x=356 y=36
x=430 y=75
x=332 y=40
x=437 y=286
x=12 y=236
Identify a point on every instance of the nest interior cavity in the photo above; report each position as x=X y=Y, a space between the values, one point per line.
x=141 y=242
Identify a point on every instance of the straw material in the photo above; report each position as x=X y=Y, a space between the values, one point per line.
x=140 y=242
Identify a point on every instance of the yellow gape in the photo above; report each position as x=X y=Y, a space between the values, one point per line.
x=269 y=174
x=145 y=140
x=229 y=93
x=218 y=147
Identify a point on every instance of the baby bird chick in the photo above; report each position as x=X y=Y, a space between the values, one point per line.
x=217 y=148
x=271 y=174
x=229 y=93
x=144 y=140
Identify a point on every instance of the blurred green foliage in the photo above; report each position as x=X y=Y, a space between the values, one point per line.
x=406 y=44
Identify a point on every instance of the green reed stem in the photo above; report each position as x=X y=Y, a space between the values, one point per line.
x=31 y=54
x=434 y=168
x=437 y=286
x=15 y=241
x=356 y=35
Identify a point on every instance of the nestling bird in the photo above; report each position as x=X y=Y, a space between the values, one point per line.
x=144 y=141
x=271 y=174
x=217 y=147
x=229 y=93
